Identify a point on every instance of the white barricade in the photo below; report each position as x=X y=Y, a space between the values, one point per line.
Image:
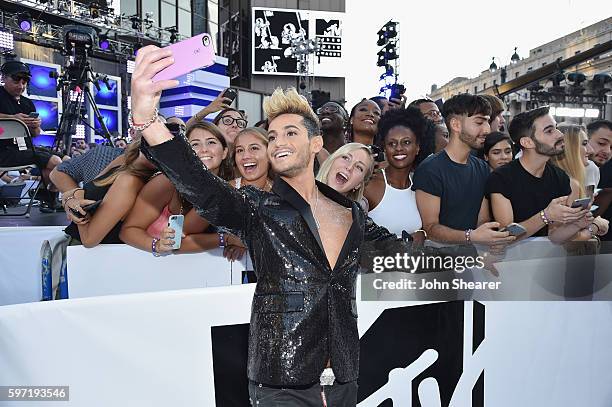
x=20 y=278
x=122 y=269
x=156 y=349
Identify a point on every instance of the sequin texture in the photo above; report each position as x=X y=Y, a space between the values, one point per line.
x=303 y=312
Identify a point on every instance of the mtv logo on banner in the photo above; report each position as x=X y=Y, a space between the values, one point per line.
x=411 y=356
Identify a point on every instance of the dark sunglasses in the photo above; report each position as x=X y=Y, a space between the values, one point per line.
x=330 y=108
x=19 y=78
x=229 y=120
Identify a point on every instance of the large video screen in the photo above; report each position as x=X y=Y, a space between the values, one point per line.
x=41 y=84
x=47 y=112
x=107 y=95
x=111 y=119
x=275 y=32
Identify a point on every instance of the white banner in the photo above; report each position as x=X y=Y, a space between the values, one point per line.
x=163 y=349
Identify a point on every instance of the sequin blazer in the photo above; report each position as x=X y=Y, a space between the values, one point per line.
x=303 y=311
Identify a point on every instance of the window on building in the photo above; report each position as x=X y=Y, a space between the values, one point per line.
x=184 y=18
x=516 y=74
x=543 y=63
x=494 y=82
x=129 y=8
x=168 y=13
x=484 y=86
x=150 y=6
x=475 y=89
x=577 y=52
x=530 y=68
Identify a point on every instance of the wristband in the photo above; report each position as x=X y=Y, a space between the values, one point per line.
x=144 y=126
x=544 y=217
x=422 y=231
x=221 y=240
x=154 y=248
x=74 y=191
x=468 y=235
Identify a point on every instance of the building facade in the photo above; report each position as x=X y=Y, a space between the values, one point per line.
x=564 y=47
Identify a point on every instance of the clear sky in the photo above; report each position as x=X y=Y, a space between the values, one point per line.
x=440 y=40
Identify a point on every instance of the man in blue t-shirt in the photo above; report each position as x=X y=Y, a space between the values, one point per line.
x=450 y=185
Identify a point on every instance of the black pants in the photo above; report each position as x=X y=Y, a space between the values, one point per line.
x=338 y=395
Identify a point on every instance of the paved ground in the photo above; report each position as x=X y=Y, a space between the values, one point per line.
x=37 y=218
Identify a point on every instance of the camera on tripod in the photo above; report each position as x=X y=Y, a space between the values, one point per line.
x=77 y=74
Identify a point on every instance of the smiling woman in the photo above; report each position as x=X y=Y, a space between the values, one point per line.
x=146 y=226
x=389 y=192
x=251 y=158
x=363 y=122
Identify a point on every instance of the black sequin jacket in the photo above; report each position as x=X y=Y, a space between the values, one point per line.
x=303 y=312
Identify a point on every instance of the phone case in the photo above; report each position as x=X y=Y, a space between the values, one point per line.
x=582 y=202
x=176 y=223
x=189 y=55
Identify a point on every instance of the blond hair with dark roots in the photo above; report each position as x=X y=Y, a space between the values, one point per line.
x=291 y=102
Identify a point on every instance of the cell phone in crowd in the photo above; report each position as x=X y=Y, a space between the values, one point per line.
x=397 y=91
x=33 y=115
x=594 y=208
x=581 y=203
x=189 y=55
x=514 y=229
x=91 y=208
x=176 y=222
x=231 y=94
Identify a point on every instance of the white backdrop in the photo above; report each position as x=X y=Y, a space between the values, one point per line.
x=154 y=349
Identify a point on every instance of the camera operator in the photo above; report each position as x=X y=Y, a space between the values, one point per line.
x=14 y=105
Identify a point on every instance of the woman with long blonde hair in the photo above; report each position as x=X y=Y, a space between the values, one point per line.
x=348 y=170
x=574 y=162
x=575 y=158
x=116 y=188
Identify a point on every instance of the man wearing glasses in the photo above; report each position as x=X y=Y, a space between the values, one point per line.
x=14 y=105
x=429 y=109
x=333 y=117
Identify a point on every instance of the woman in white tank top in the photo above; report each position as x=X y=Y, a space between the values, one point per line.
x=392 y=202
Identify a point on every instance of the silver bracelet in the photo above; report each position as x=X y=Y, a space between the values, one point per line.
x=141 y=127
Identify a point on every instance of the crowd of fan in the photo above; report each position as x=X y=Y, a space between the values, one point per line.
x=446 y=176
x=454 y=173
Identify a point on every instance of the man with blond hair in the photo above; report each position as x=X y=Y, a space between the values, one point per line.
x=303 y=237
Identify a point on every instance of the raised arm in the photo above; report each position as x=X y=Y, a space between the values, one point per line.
x=213 y=198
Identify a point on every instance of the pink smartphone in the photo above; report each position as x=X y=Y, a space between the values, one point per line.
x=189 y=55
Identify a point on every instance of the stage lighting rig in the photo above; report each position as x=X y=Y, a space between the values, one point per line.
x=24 y=20
x=387 y=32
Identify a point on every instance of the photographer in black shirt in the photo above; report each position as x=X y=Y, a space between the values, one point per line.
x=14 y=105
x=530 y=190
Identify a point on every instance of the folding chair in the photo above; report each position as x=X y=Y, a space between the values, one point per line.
x=15 y=129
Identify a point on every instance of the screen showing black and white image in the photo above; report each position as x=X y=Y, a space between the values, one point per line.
x=329 y=37
x=274 y=31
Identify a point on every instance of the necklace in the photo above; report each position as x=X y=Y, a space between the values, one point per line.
x=315 y=207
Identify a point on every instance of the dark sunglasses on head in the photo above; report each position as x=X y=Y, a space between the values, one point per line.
x=228 y=120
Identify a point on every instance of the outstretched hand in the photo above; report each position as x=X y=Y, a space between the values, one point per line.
x=145 y=92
